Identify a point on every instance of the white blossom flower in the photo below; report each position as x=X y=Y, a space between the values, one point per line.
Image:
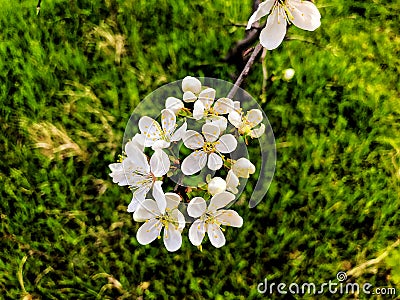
x=156 y=218
x=303 y=14
x=208 y=150
x=161 y=137
x=246 y=123
x=135 y=171
x=211 y=218
x=243 y=168
x=205 y=105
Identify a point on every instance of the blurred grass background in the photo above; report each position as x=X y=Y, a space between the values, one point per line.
x=69 y=80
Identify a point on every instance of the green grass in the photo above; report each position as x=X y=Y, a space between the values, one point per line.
x=69 y=80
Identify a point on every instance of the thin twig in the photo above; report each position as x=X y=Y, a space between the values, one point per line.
x=265 y=76
x=357 y=271
x=245 y=71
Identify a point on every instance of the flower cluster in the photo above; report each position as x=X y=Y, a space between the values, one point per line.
x=149 y=164
x=303 y=14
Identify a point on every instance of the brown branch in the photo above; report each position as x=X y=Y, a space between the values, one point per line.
x=235 y=55
x=245 y=71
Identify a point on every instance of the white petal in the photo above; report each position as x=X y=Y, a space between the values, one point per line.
x=128 y=176
x=148 y=209
x=256 y=133
x=198 y=110
x=262 y=10
x=214 y=162
x=118 y=174
x=137 y=159
x=159 y=163
x=189 y=97
x=226 y=143
x=174 y=104
x=150 y=129
x=207 y=97
x=116 y=167
x=172 y=238
x=236 y=104
x=215 y=235
x=158 y=195
x=178 y=218
x=254 y=116
x=196 y=207
x=305 y=15
x=232 y=181
x=168 y=121
x=211 y=132
x=224 y=106
x=133 y=205
x=179 y=133
x=173 y=200
x=219 y=121
x=160 y=144
x=191 y=84
x=235 y=119
x=220 y=200
x=140 y=181
x=229 y=218
x=138 y=141
x=274 y=32
x=149 y=231
x=216 y=185
x=193 y=140
x=196 y=232
x=138 y=198
x=195 y=162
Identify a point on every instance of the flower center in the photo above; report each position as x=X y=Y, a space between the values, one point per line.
x=210 y=218
x=283 y=10
x=168 y=220
x=209 y=147
x=246 y=126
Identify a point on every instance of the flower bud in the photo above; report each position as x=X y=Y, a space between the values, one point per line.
x=243 y=168
x=216 y=185
x=288 y=74
x=191 y=84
